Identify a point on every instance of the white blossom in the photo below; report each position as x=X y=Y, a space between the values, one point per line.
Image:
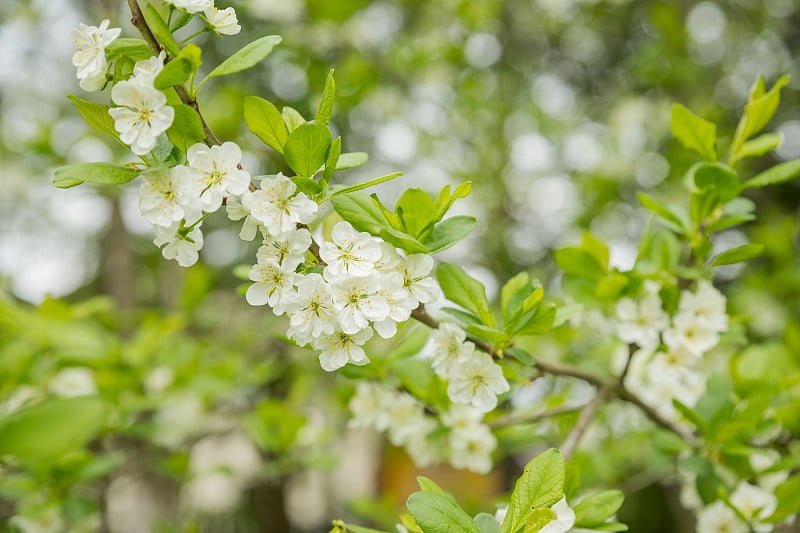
x=564 y=520
x=165 y=197
x=146 y=70
x=477 y=381
x=73 y=381
x=192 y=6
x=640 y=322
x=370 y=406
x=223 y=21
x=708 y=306
x=341 y=348
x=755 y=504
x=215 y=172
x=357 y=302
x=236 y=211
x=178 y=419
x=142 y=114
x=422 y=450
x=181 y=245
x=690 y=333
x=416 y=278
x=310 y=310
x=349 y=253
x=449 y=348
x=717 y=518
x=287 y=249
x=277 y=207
x=473 y=449
x=408 y=419
x=272 y=283
x=90 y=58
x=390 y=288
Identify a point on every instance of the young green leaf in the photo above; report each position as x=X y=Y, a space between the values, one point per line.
x=718 y=177
x=694 y=132
x=245 y=58
x=186 y=128
x=96 y=116
x=332 y=159
x=50 y=429
x=598 y=508
x=101 y=173
x=362 y=185
x=487 y=523
x=160 y=30
x=325 y=109
x=738 y=254
x=176 y=72
x=459 y=287
x=292 y=118
x=448 y=233
x=133 y=49
x=538 y=518
x=403 y=240
x=759 y=111
x=436 y=513
x=429 y=485
x=179 y=20
x=674 y=220
x=266 y=122
x=778 y=174
x=414 y=208
x=579 y=262
x=359 y=210
x=350 y=160
x=541 y=485
x=760 y=145
x=306 y=148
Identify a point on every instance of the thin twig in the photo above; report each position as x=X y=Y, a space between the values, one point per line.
x=524 y=418
x=583 y=423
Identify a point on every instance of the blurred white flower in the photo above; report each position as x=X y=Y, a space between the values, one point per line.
x=472 y=449
x=641 y=322
x=370 y=406
x=755 y=504
x=178 y=419
x=448 y=347
x=477 y=381
x=73 y=381
x=719 y=517
x=690 y=333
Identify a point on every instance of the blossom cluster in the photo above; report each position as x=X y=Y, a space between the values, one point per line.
x=469 y=442
x=670 y=360
x=473 y=378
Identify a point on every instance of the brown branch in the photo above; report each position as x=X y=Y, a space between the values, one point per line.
x=137 y=19
x=583 y=423
x=523 y=418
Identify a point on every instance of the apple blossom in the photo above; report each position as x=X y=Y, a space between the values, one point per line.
x=142 y=114
x=216 y=173
x=477 y=381
x=340 y=348
x=90 y=58
x=223 y=20
x=276 y=206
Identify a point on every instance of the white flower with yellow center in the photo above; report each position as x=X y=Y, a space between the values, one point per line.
x=73 y=381
x=719 y=518
x=236 y=211
x=755 y=504
x=349 y=253
x=370 y=406
x=390 y=288
x=407 y=419
x=272 y=283
x=357 y=302
x=564 y=520
x=449 y=348
x=707 y=304
x=477 y=381
x=146 y=70
x=472 y=450
x=142 y=114
x=641 y=322
x=310 y=309
x=223 y=21
x=416 y=271
x=216 y=173
x=340 y=348
x=166 y=197
x=277 y=207
x=287 y=249
x=690 y=333
x=90 y=58
x=181 y=245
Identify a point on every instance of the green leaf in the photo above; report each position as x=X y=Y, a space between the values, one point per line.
x=541 y=485
x=101 y=173
x=363 y=185
x=160 y=29
x=403 y=240
x=596 y=247
x=518 y=283
x=133 y=49
x=48 y=430
x=611 y=526
x=694 y=132
x=788 y=496
x=332 y=159
x=485 y=333
x=266 y=122
x=449 y=232
x=306 y=148
x=719 y=177
x=461 y=315
x=429 y=485
x=537 y=321
x=349 y=160
x=177 y=71
x=538 y=518
x=487 y=523
x=738 y=254
x=778 y=174
x=179 y=20
x=578 y=262
x=326 y=104
x=436 y=513
x=520 y=355
x=96 y=116
x=414 y=209
x=359 y=210
x=759 y=111
x=760 y=145
x=596 y=509
x=674 y=219
x=307 y=185
x=186 y=128
x=245 y=58
x=350 y=528
x=466 y=291
x=703 y=203
x=292 y=118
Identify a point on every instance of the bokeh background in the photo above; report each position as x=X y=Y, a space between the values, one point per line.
x=556 y=110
